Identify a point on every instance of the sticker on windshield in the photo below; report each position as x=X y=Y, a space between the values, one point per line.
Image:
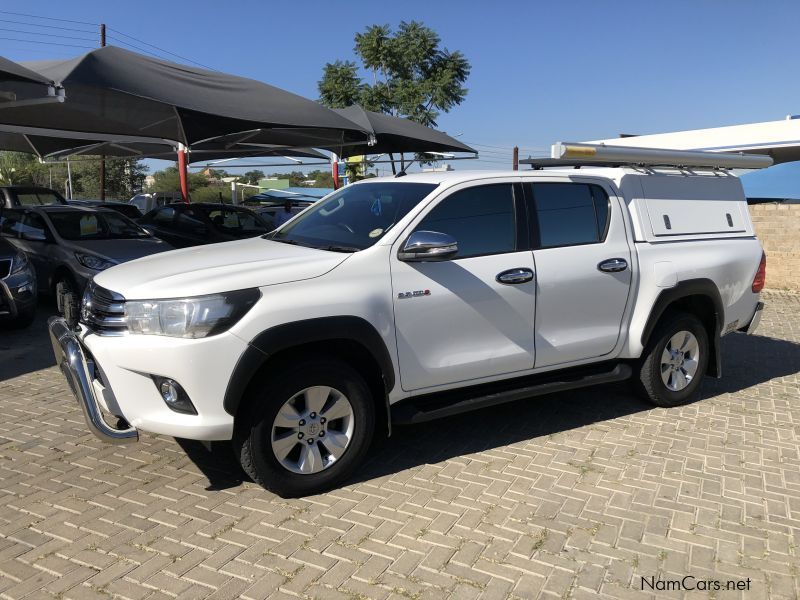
x=375 y=232
x=88 y=225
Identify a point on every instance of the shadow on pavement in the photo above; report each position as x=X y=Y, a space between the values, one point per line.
x=218 y=464
x=27 y=349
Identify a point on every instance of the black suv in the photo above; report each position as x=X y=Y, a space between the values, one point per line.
x=12 y=196
x=17 y=286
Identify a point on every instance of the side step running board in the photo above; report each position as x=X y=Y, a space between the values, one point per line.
x=418 y=410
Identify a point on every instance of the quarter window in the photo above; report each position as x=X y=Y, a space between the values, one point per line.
x=570 y=214
x=481 y=219
x=164 y=216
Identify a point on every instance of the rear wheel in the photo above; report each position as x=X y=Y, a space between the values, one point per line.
x=306 y=430
x=674 y=361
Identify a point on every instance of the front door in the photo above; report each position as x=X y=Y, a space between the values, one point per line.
x=460 y=320
x=583 y=271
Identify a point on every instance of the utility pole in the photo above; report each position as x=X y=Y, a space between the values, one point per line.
x=515 y=160
x=102 y=156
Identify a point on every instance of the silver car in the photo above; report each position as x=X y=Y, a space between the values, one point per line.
x=68 y=245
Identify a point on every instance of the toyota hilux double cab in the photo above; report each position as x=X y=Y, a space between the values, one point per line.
x=404 y=299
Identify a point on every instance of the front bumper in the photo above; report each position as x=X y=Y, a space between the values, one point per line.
x=17 y=294
x=73 y=364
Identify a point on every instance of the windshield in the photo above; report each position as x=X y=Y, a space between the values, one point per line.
x=355 y=217
x=38 y=198
x=86 y=225
x=235 y=221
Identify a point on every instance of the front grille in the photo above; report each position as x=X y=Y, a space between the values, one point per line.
x=103 y=311
x=5 y=268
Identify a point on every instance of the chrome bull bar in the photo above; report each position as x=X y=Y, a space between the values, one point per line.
x=72 y=362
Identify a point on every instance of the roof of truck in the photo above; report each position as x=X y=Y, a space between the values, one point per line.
x=454 y=177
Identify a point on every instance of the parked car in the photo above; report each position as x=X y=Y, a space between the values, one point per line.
x=17 y=286
x=21 y=195
x=147 y=202
x=184 y=225
x=269 y=209
x=68 y=245
x=129 y=210
x=400 y=300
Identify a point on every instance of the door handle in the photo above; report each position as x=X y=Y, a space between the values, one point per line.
x=515 y=276
x=613 y=265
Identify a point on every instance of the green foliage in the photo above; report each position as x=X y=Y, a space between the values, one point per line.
x=168 y=180
x=252 y=177
x=411 y=75
x=124 y=177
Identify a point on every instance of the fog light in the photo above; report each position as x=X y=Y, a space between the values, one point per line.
x=174 y=395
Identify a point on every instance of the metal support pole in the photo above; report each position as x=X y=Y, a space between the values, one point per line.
x=69 y=180
x=183 y=174
x=515 y=160
x=102 y=156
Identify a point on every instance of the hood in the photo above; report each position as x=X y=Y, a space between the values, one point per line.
x=121 y=250
x=213 y=268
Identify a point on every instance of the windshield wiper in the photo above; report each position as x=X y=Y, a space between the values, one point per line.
x=341 y=249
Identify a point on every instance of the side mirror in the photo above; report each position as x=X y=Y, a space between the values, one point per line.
x=34 y=236
x=428 y=246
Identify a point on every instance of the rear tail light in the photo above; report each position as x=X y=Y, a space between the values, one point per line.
x=761 y=275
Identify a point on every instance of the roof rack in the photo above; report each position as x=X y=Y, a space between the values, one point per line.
x=567 y=154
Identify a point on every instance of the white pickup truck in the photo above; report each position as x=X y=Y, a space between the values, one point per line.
x=404 y=299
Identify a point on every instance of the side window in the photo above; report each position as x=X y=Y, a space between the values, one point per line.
x=29 y=199
x=10 y=222
x=480 y=218
x=163 y=216
x=189 y=222
x=570 y=214
x=34 y=225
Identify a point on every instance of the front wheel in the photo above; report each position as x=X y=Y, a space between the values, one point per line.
x=306 y=429
x=674 y=361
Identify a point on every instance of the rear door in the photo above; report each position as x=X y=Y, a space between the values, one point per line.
x=583 y=270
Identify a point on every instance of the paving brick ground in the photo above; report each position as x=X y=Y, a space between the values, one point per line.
x=569 y=496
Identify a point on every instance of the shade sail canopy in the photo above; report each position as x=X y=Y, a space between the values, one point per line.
x=59 y=147
x=388 y=134
x=111 y=91
x=396 y=134
x=11 y=71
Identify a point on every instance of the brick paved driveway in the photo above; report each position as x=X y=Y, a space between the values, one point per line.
x=566 y=496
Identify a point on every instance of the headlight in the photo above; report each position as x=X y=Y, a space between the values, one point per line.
x=93 y=262
x=189 y=317
x=19 y=263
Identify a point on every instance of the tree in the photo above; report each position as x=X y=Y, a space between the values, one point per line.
x=253 y=177
x=411 y=75
x=168 y=180
x=124 y=177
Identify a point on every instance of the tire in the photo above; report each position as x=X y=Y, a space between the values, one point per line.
x=674 y=361
x=66 y=280
x=289 y=398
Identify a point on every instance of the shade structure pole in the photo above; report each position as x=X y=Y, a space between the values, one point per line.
x=335 y=170
x=183 y=173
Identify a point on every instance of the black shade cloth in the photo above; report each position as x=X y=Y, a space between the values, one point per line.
x=55 y=147
x=396 y=134
x=389 y=134
x=114 y=91
x=9 y=70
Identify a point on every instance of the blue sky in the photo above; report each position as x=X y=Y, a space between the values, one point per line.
x=541 y=71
